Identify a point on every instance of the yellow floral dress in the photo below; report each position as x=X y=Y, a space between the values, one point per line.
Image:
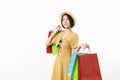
x=62 y=60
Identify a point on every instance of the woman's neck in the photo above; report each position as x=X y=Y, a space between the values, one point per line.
x=68 y=30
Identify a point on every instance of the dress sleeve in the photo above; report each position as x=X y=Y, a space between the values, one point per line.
x=74 y=41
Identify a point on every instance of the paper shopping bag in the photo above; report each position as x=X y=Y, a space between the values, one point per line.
x=88 y=67
x=52 y=49
x=49 y=48
x=75 y=72
x=70 y=71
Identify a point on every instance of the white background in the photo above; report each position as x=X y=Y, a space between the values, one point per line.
x=24 y=26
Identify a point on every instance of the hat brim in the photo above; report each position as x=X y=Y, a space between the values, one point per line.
x=60 y=17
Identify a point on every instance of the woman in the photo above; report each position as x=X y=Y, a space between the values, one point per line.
x=66 y=42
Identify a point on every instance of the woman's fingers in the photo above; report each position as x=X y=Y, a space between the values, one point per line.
x=84 y=45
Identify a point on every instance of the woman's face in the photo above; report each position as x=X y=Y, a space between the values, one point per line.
x=66 y=22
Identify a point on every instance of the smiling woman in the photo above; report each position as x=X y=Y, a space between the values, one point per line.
x=67 y=43
x=67 y=17
x=24 y=25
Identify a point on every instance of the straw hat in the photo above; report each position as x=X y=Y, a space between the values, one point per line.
x=68 y=14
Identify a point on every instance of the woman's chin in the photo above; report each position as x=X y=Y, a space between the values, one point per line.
x=66 y=27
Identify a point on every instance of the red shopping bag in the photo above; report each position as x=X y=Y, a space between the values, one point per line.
x=49 y=48
x=88 y=67
x=52 y=48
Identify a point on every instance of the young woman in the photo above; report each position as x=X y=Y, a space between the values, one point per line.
x=66 y=42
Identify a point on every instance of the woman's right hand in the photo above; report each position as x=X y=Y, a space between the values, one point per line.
x=58 y=28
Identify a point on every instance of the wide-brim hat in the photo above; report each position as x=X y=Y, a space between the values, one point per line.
x=60 y=17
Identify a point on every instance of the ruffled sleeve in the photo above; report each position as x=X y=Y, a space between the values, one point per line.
x=74 y=41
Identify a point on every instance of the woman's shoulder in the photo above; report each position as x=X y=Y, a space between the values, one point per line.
x=59 y=33
x=74 y=34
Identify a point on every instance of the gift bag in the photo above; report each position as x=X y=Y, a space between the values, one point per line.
x=49 y=48
x=72 y=64
x=88 y=67
x=72 y=71
x=52 y=49
x=75 y=72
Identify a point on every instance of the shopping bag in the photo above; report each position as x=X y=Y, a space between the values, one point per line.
x=52 y=49
x=88 y=67
x=70 y=70
x=49 y=48
x=75 y=71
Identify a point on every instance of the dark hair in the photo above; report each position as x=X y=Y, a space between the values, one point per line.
x=72 y=23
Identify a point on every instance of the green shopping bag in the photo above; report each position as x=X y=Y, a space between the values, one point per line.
x=75 y=73
x=54 y=49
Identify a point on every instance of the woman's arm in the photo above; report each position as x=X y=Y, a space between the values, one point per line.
x=49 y=40
x=76 y=49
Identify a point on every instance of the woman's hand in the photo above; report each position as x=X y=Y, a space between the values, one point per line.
x=83 y=46
x=49 y=40
x=58 y=28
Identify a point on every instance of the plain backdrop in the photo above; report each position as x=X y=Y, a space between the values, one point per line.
x=24 y=26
